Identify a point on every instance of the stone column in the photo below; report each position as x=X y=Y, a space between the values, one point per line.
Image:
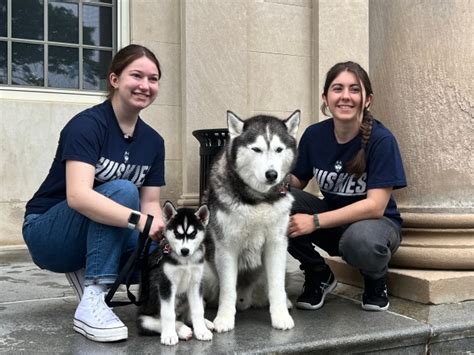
x=421 y=66
x=214 y=74
x=343 y=34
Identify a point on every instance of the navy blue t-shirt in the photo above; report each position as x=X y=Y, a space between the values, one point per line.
x=321 y=156
x=94 y=136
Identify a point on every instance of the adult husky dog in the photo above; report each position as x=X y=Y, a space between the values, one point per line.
x=173 y=286
x=249 y=215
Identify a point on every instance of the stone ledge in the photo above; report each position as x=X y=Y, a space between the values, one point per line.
x=37 y=306
x=425 y=286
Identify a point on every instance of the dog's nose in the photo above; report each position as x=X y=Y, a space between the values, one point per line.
x=271 y=175
x=184 y=251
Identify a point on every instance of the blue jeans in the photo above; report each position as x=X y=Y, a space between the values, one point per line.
x=62 y=240
x=367 y=245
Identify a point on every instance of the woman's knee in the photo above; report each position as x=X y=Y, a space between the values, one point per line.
x=363 y=248
x=121 y=191
x=304 y=202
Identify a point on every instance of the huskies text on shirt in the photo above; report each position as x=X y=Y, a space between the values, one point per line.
x=321 y=156
x=94 y=137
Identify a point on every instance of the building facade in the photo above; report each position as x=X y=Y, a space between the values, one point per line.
x=271 y=56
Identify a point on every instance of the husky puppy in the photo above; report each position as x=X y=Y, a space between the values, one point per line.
x=249 y=215
x=173 y=286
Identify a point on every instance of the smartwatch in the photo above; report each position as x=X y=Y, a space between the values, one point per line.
x=133 y=220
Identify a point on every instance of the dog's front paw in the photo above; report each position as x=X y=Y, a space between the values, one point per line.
x=184 y=332
x=224 y=323
x=209 y=324
x=282 y=320
x=170 y=338
x=203 y=334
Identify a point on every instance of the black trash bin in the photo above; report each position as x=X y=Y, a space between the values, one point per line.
x=211 y=142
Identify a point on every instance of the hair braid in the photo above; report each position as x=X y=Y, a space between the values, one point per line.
x=357 y=165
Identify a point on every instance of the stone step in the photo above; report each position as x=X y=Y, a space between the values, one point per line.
x=37 y=306
x=424 y=286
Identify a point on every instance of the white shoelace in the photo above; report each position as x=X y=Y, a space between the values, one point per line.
x=101 y=312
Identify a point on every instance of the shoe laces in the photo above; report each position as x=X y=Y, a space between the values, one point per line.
x=101 y=312
x=313 y=284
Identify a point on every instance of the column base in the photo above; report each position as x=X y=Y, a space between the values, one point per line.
x=189 y=200
x=439 y=241
x=424 y=286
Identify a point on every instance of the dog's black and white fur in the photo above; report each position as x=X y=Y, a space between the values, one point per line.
x=173 y=286
x=249 y=216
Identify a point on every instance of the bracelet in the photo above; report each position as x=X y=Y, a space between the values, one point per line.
x=316 y=221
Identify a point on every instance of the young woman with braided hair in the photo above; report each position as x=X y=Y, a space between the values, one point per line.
x=356 y=163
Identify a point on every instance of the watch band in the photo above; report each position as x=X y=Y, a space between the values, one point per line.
x=316 y=221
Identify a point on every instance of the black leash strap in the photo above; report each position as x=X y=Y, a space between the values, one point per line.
x=127 y=271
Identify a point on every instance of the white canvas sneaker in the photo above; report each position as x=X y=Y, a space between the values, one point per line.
x=95 y=320
x=76 y=281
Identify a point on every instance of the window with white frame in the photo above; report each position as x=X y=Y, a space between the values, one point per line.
x=57 y=44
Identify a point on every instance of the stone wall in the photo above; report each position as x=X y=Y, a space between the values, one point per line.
x=246 y=56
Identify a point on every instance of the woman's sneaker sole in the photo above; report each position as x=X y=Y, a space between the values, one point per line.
x=101 y=335
x=374 y=307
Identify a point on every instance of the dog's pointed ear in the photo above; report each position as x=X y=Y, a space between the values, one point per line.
x=235 y=124
x=169 y=211
x=203 y=214
x=293 y=122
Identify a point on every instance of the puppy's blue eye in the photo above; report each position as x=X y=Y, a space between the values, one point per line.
x=256 y=150
x=279 y=150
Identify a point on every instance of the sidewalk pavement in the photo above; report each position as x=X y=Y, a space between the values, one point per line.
x=37 y=307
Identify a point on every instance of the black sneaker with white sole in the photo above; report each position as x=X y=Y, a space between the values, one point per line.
x=316 y=287
x=375 y=296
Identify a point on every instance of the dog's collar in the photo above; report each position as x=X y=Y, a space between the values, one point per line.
x=254 y=197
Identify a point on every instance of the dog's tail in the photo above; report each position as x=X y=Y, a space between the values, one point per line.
x=148 y=325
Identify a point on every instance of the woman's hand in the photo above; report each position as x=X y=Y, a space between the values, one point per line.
x=300 y=224
x=150 y=204
x=157 y=228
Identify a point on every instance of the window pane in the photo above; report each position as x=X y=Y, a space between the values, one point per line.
x=3 y=63
x=27 y=64
x=27 y=19
x=63 y=22
x=3 y=18
x=97 y=23
x=96 y=64
x=63 y=67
